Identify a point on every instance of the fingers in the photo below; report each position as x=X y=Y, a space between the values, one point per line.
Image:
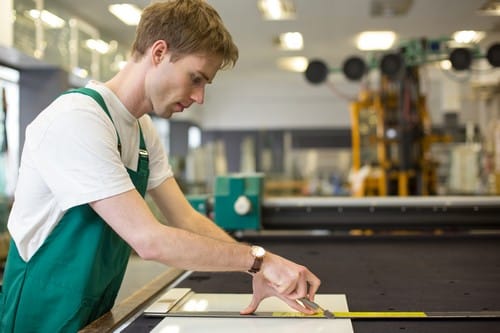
x=313 y=285
x=299 y=288
x=260 y=295
x=261 y=290
x=298 y=306
x=285 y=288
x=254 y=304
x=306 y=285
x=290 y=281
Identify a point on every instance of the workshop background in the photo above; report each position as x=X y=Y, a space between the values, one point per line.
x=418 y=116
x=262 y=117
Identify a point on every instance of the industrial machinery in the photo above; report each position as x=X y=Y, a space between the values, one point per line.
x=392 y=135
x=237 y=201
x=238 y=204
x=391 y=130
x=396 y=140
x=411 y=53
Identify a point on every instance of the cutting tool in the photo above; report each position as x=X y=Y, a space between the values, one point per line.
x=315 y=306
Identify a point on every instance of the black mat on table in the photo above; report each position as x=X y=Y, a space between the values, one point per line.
x=385 y=274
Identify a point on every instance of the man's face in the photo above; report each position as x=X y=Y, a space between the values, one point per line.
x=174 y=86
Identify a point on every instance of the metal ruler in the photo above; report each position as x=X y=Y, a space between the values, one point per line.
x=354 y=315
x=167 y=306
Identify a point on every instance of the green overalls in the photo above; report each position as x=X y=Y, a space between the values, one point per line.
x=75 y=275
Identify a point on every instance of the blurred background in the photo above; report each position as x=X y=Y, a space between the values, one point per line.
x=315 y=104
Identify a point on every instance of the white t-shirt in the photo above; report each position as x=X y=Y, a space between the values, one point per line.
x=70 y=157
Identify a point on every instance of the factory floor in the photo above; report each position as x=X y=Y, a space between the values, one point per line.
x=139 y=273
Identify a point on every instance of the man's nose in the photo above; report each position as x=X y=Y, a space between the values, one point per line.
x=198 y=95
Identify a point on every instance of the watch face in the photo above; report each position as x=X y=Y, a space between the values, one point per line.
x=258 y=251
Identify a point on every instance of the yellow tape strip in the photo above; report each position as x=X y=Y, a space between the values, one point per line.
x=393 y=314
x=297 y=314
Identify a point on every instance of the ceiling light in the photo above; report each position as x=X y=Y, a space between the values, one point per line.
x=127 y=13
x=468 y=36
x=375 y=40
x=290 y=41
x=490 y=7
x=98 y=45
x=293 y=64
x=276 y=9
x=48 y=18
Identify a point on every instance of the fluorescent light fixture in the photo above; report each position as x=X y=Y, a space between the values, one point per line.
x=48 y=18
x=98 y=45
x=293 y=64
x=468 y=36
x=375 y=40
x=276 y=9
x=290 y=41
x=127 y=13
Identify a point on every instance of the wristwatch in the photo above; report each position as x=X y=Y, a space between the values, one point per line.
x=258 y=253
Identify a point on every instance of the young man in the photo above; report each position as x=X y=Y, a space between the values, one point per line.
x=88 y=160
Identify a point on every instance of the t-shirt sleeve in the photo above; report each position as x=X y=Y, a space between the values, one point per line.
x=76 y=154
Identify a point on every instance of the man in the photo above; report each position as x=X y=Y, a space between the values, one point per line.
x=88 y=160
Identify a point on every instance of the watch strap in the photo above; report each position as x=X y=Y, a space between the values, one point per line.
x=257 y=263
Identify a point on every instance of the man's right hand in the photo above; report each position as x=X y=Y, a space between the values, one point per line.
x=284 y=279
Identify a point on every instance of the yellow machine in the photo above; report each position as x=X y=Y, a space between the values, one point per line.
x=391 y=132
x=391 y=140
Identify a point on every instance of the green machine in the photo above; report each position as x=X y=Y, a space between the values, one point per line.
x=200 y=203
x=236 y=204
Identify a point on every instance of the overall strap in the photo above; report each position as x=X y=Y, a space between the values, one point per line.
x=143 y=153
x=98 y=98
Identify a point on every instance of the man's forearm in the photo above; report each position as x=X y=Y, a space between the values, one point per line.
x=189 y=250
x=202 y=225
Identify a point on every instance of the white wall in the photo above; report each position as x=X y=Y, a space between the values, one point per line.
x=288 y=101
x=268 y=102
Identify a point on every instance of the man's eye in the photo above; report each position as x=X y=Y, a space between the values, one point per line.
x=197 y=80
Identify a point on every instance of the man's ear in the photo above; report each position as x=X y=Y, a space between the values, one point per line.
x=159 y=50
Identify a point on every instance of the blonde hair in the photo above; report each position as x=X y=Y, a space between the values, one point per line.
x=188 y=27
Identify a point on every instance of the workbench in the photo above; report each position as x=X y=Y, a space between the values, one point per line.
x=381 y=272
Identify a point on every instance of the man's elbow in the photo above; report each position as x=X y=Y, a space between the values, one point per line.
x=146 y=249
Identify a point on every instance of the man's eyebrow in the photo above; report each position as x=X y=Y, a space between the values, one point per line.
x=205 y=77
